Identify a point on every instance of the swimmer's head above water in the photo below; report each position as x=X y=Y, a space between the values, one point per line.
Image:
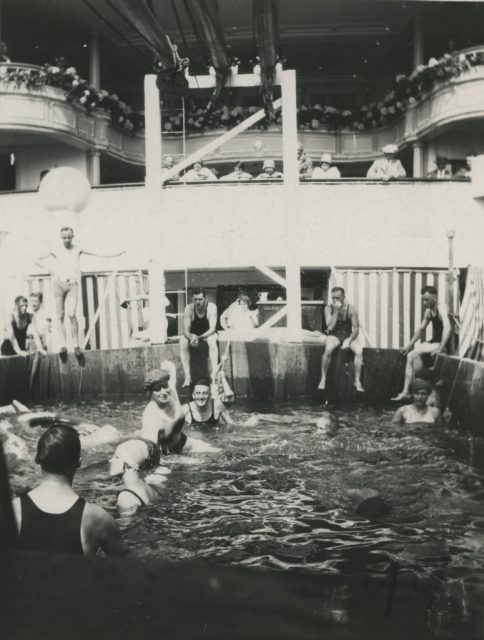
x=59 y=451
x=132 y=454
x=157 y=383
x=420 y=390
x=201 y=393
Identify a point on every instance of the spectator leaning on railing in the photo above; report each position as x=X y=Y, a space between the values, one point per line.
x=389 y=167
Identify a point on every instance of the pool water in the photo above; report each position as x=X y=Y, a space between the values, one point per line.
x=281 y=495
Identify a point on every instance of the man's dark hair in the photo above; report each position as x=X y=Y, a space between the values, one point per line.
x=205 y=382
x=20 y=299
x=199 y=290
x=67 y=229
x=429 y=289
x=58 y=450
x=335 y=289
x=38 y=295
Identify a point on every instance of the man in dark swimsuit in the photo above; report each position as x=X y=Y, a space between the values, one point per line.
x=19 y=328
x=343 y=328
x=436 y=314
x=199 y=323
x=52 y=516
x=204 y=410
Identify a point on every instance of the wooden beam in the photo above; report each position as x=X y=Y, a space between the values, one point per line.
x=272 y=275
x=273 y=319
x=293 y=291
x=289 y=128
x=215 y=144
x=234 y=79
x=157 y=310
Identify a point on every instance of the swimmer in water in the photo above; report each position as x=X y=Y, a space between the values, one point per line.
x=419 y=410
x=327 y=424
x=204 y=410
x=128 y=459
x=163 y=417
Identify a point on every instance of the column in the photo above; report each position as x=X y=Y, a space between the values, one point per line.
x=418 y=40
x=293 y=294
x=418 y=160
x=289 y=128
x=94 y=61
x=157 y=315
x=94 y=167
x=152 y=134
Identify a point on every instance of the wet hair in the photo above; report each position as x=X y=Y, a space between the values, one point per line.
x=58 y=450
x=340 y=289
x=429 y=289
x=199 y=290
x=38 y=295
x=20 y=299
x=203 y=382
x=67 y=229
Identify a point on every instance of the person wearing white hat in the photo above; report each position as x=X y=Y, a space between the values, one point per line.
x=389 y=167
x=325 y=171
x=269 y=171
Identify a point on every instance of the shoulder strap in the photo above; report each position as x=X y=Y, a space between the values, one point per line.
x=142 y=502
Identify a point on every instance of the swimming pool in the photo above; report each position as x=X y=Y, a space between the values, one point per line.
x=281 y=496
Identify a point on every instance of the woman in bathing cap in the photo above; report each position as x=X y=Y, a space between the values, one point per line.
x=129 y=458
x=419 y=410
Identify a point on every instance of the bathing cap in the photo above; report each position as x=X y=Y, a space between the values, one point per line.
x=155 y=378
x=133 y=452
x=421 y=385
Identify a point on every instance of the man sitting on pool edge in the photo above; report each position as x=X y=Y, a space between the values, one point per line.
x=419 y=410
x=205 y=411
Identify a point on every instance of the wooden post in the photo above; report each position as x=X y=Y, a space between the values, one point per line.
x=293 y=293
x=450 y=274
x=418 y=40
x=289 y=128
x=157 y=315
x=94 y=61
x=152 y=134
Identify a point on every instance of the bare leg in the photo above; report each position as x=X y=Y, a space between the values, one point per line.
x=358 y=351
x=331 y=343
x=185 y=360
x=212 y=342
x=71 y=310
x=409 y=369
x=60 y=311
x=414 y=366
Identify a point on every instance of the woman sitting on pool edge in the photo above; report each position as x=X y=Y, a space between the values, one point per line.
x=128 y=459
x=205 y=411
x=419 y=410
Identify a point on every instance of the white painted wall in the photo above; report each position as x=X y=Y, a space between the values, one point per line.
x=31 y=160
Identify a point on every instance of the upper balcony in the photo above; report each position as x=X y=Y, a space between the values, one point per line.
x=43 y=112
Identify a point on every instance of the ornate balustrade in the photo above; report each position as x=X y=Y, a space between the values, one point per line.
x=43 y=110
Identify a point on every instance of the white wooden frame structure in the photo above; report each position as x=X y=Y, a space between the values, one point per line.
x=155 y=178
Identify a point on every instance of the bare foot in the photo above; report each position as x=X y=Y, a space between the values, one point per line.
x=400 y=397
x=322 y=385
x=359 y=388
x=187 y=382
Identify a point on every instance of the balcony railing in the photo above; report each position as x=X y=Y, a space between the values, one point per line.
x=26 y=107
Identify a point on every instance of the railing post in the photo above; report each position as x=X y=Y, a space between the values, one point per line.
x=157 y=310
x=152 y=134
x=289 y=127
x=94 y=167
x=418 y=170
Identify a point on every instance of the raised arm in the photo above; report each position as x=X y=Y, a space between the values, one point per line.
x=40 y=259
x=331 y=317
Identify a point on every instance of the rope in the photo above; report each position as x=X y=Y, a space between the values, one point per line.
x=454 y=383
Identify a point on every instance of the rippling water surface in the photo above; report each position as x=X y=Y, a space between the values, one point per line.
x=376 y=501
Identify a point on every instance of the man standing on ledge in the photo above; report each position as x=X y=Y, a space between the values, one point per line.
x=52 y=516
x=199 y=324
x=438 y=316
x=343 y=328
x=66 y=276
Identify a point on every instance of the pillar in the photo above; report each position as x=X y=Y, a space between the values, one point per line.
x=293 y=294
x=94 y=62
x=152 y=134
x=289 y=127
x=95 y=167
x=418 y=40
x=157 y=315
x=418 y=160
